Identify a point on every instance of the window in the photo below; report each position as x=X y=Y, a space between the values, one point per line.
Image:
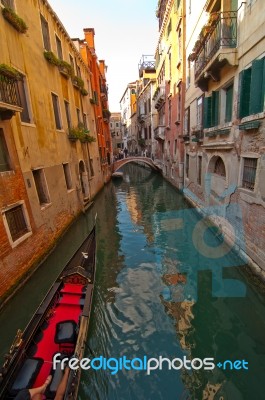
x=169 y=28
x=180 y=44
x=78 y=116
x=78 y=71
x=188 y=73
x=41 y=186
x=179 y=103
x=199 y=170
x=59 y=47
x=199 y=112
x=67 y=112
x=45 y=33
x=23 y=94
x=176 y=5
x=211 y=110
x=85 y=121
x=67 y=175
x=9 y=4
x=16 y=222
x=145 y=133
x=187 y=165
x=187 y=121
x=5 y=164
x=117 y=124
x=150 y=132
x=228 y=103
x=56 y=110
x=72 y=62
x=249 y=172
x=169 y=64
x=219 y=167
x=252 y=89
x=169 y=112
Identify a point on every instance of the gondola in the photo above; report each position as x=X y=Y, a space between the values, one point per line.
x=60 y=325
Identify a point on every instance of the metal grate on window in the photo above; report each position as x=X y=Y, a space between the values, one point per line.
x=249 y=173
x=16 y=222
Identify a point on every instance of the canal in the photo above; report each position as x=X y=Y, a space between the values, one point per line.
x=150 y=302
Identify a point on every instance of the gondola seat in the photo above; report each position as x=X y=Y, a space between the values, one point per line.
x=27 y=375
x=65 y=335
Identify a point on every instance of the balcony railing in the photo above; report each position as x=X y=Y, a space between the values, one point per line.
x=9 y=93
x=222 y=34
x=159 y=96
x=159 y=132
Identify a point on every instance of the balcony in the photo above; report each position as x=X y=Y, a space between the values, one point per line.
x=141 y=118
x=159 y=132
x=159 y=97
x=212 y=50
x=9 y=97
x=147 y=63
x=197 y=135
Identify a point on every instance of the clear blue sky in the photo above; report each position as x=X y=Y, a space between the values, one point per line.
x=124 y=31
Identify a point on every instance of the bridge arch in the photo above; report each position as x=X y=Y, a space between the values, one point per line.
x=120 y=163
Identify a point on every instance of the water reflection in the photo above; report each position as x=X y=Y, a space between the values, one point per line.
x=141 y=305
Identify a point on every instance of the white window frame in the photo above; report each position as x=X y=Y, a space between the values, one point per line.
x=241 y=171
x=26 y=217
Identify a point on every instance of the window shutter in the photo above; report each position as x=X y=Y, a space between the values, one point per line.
x=229 y=104
x=207 y=107
x=215 y=108
x=244 y=92
x=256 y=89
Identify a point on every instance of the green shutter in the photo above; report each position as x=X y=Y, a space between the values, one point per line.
x=215 y=108
x=207 y=107
x=256 y=95
x=229 y=104
x=244 y=92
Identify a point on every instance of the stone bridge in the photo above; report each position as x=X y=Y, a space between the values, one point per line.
x=120 y=163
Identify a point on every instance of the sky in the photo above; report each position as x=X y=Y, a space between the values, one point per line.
x=124 y=31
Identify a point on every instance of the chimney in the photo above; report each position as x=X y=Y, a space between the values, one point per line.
x=89 y=37
x=102 y=67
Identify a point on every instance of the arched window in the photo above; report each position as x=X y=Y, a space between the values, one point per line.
x=219 y=167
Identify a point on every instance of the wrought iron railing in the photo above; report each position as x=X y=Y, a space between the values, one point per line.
x=9 y=91
x=223 y=34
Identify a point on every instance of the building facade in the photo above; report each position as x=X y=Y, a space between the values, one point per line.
x=224 y=115
x=146 y=113
x=115 y=130
x=128 y=118
x=169 y=95
x=50 y=164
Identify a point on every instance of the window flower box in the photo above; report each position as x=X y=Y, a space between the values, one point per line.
x=14 y=20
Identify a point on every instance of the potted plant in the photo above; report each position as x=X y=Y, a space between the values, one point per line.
x=92 y=101
x=51 y=58
x=84 y=92
x=9 y=72
x=78 y=82
x=17 y=22
x=79 y=132
x=65 y=68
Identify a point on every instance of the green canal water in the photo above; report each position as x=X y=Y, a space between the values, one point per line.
x=147 y=303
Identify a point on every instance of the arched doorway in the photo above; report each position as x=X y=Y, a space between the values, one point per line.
x=83 y=179
x=217 y=171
